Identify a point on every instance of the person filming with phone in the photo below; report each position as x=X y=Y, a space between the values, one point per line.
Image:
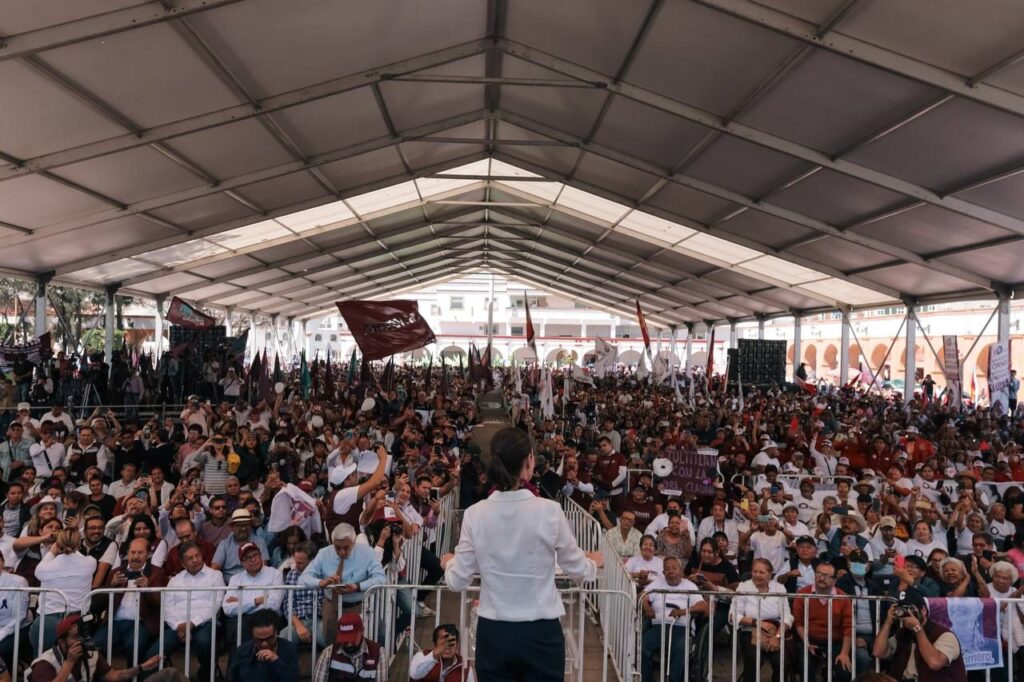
x=916 y=648
x=443 y=662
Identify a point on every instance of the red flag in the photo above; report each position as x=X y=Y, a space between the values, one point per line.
x=184 y=315
x=643 y=328
x=806 y=385
x=383 y=328
x=711 y=357
x=530 y=336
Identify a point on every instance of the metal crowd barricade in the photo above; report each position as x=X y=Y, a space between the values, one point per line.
x=136 y=657
x=618 y=620
x=803 y=659
x=585 y=528
x=22 y=615
x=573 y=624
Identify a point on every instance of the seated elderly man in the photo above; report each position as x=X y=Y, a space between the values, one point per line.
x=345 y=570
x=189 y=613
x=671 y=611
x=251 y=599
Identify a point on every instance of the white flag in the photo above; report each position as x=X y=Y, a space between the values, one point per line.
x=673 y=367
x=607 y=355
x=641 y=368
x=579 y=375
x=547 y=400
x=660 y=368
x=519 y=380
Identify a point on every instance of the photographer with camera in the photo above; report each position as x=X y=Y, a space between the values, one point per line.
x=443 y=662
x=75 y=658
x=918 y=649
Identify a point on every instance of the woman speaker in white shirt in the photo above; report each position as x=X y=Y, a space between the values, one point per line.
x=513 y=541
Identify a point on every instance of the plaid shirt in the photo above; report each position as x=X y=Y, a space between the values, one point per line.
x=303 y=600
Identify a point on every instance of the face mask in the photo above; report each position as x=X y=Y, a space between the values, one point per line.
x=859 y=570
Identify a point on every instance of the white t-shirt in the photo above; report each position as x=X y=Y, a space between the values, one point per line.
x=772 y=548
x=663 y=603
x=654 y=567
x=924 y=551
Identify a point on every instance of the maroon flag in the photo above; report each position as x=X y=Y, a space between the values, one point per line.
x=711 y=358
x=383 y=328
x=530 y=336
x=643 y=330
x=184 y=315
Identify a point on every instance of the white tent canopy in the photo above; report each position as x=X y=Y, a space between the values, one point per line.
x=718 y=159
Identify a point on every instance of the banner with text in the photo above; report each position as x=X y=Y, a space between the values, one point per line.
x=33 y=351
x=693 y=471
x=951 y=368
x=975 y=622
x=185 y=315
x=383 y=328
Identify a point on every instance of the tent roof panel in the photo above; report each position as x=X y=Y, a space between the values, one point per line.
x=719 y=160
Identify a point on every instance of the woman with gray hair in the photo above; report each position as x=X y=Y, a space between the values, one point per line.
x=1011 y=614
x=956 y=580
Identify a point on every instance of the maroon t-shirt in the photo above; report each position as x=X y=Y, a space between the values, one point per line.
x=644 y=512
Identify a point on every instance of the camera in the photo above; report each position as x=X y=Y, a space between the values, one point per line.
x=87 y=626
x=396 y=529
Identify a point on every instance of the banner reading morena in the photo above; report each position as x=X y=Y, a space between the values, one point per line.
x=383 y=328
x=693 y=471
x=185 y=315
x=975 y=622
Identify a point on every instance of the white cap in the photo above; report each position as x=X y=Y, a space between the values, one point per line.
x=769 y=444
x=340 y=474
x=24 y=406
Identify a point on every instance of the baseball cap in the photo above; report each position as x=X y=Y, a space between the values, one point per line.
x=246 y=548
x=806 y=540
x=887 y=522
x=24 y=406
x=339 y=475
x=350 y=629
x=911 y=597
x=66 y=624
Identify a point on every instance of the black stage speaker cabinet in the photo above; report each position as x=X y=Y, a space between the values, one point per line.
x=212 y=338
x=761 y=363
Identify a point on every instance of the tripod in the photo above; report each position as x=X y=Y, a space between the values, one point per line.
x=89 y=394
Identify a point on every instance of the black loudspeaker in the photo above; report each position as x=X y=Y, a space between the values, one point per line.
x=733 y=359
x=761 y=363
x=212 y=338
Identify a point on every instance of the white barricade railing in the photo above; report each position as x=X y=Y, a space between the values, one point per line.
x=585 y=528
x=695 y=655
x=106 y=596
x=30 y=624
x=573 y=623
x=618 y=621
x=447 y=530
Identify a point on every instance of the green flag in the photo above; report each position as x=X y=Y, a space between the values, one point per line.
x=305 y=381
x=351 y=368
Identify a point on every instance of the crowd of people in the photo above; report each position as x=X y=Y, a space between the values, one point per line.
x=838 y=500
x=853 y=507
x=221 y=505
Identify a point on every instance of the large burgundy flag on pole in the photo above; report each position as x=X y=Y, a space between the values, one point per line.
x=530 y=336
x=383 y=328
x=643 y=330
x=184 y=315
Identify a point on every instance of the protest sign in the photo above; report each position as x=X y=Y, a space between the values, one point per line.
x=951 y=369
x=693 y=471
x=975 y=622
